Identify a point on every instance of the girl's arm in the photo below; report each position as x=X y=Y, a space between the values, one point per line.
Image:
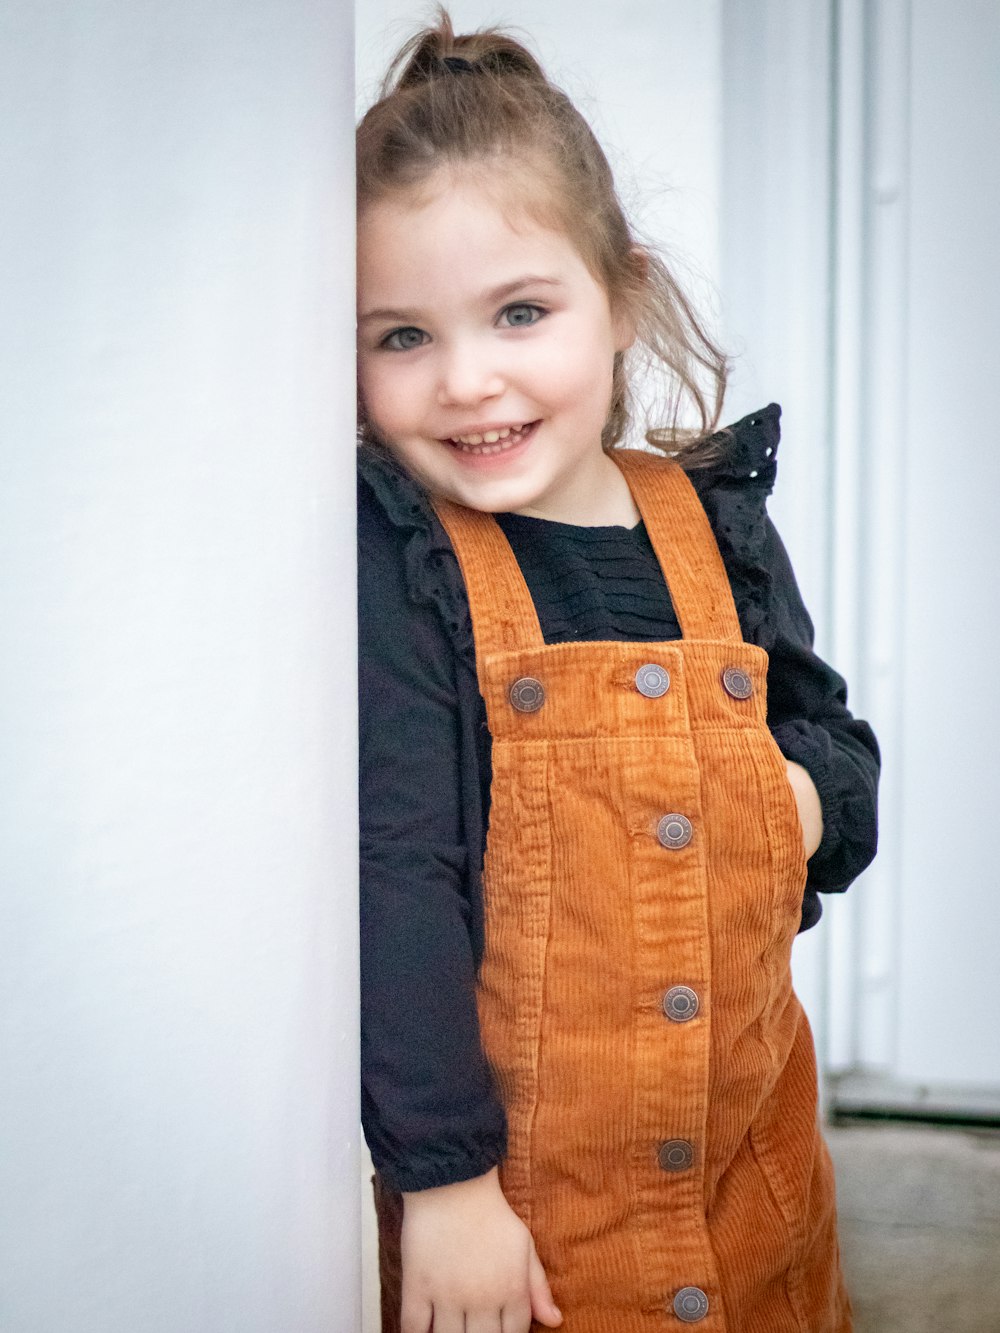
x=807 y=700
x=814 y=728
x=430 y=1110
x=432 y=1117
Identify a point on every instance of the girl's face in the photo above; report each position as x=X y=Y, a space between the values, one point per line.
x=485 y=354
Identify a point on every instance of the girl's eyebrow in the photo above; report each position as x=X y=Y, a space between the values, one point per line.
x=390 y=316
x=496 y=294
x=532 y=280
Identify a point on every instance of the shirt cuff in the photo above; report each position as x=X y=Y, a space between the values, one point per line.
x=440 y=1166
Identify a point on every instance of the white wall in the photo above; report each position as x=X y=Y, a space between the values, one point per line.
x=178 y=1141
x=942 y=479
x=776 y=253
x=857 y=141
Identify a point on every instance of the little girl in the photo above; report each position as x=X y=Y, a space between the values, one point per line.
x=603 y=774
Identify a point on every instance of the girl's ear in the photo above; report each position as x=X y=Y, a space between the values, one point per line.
x=625 y=321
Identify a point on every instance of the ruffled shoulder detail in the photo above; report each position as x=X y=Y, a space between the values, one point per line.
x=734 y=490
x=433 y=576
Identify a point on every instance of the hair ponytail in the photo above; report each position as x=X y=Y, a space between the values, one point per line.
x=490 y=51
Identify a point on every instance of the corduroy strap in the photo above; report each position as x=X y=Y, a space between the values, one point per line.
x=504 y=618
x=685 y=545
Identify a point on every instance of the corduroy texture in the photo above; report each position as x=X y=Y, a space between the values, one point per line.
x=590 y=920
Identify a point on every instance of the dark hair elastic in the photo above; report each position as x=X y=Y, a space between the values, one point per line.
x=458 y=65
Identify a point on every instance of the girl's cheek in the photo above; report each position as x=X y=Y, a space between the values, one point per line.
x=376 y=388
x=389 y=405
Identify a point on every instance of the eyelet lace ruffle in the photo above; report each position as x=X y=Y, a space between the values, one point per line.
x=433 y=577
x=733 y=490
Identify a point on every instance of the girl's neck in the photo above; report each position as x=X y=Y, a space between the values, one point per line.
x=601 y=500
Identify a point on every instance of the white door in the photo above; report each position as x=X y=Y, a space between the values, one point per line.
x=868 y=140
x=947 y=885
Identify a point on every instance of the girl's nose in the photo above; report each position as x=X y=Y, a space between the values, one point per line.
x=468 y=376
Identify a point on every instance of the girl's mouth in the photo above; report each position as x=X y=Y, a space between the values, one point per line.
x=493 y=442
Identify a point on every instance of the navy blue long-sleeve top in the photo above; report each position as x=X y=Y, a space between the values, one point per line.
x=432 y=1114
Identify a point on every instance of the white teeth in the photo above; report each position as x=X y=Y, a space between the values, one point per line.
x=506 y=436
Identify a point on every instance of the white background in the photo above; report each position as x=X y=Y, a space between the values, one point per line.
x=178 y=1069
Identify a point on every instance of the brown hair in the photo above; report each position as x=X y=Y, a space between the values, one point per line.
x=450 y=100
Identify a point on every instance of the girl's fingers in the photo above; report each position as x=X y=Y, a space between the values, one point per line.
x=452 y=1320
x=543 y=1307
x=416 y=1316
x=516 y=1317
x=485 y=1323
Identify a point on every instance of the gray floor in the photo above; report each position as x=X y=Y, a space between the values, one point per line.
x=920 y=1227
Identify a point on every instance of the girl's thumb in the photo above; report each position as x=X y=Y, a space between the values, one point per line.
x=543 y=1307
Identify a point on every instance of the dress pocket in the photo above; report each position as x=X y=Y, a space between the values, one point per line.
x=788 y=852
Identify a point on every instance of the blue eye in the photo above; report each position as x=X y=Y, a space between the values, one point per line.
x=403 y=340
x=522 y=315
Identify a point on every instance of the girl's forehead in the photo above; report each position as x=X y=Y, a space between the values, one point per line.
x=489 y=193
x=452 y=227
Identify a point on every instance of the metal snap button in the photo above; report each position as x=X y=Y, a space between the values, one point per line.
x=737 y=683
x=527 y=694
x=675 y=1155
x=690 y=1305
x=652 y=680
x=674 y=831
x=680 y=1004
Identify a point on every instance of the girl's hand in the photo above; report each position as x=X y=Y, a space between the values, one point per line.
x=810 y=810
x=469 y=1263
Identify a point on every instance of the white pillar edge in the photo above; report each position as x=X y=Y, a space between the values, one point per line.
x=850 y=172
x=868 y=555
x=178 y=980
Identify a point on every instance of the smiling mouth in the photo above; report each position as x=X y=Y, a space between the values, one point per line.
x=491 y=441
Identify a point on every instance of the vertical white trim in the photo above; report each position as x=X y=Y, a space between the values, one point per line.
x=814 y=246
x=776 y=265
x=868 y=433
x=846 y=417
x=775 y=254
x=882 y=507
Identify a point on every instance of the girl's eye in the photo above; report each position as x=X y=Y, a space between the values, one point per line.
x=522 y=315
x=403 y=340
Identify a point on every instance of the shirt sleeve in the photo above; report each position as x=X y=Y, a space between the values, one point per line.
x=812 y=725
x=430 y=1110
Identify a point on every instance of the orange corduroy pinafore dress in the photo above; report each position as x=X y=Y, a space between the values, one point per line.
x=643 y=886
